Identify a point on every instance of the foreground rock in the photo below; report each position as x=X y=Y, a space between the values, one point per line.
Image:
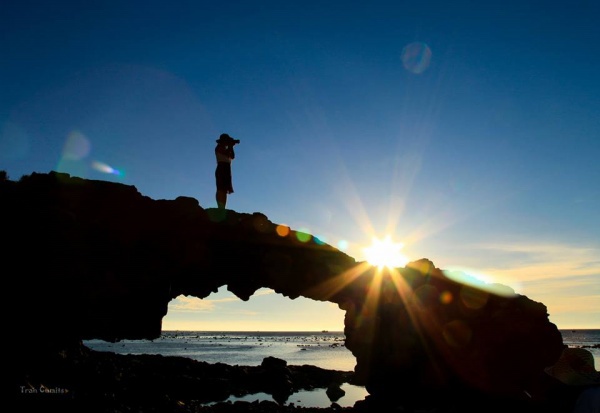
x=78 y=379
x=94 y=259
x=84 y=379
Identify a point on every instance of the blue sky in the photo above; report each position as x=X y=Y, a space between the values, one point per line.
x=468 y=131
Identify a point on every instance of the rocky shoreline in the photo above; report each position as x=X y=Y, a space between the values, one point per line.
x=86 y=379
x=79 y=379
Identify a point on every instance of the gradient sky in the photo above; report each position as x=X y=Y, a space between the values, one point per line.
x=469 y=131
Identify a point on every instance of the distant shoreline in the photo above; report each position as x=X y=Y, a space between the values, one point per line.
x=256 y=331
x=316 y=331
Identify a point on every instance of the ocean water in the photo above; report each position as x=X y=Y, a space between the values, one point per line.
x=321 y=349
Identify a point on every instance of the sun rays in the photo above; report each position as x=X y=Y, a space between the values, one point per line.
x=385 y=253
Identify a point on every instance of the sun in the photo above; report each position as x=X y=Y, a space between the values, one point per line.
x=385 y=253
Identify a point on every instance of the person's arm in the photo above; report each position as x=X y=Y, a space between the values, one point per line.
x=225 y=150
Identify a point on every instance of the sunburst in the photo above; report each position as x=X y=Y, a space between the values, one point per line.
x=385 y=253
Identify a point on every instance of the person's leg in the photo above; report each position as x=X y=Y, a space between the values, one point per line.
x=221 y=199
x=221 y=177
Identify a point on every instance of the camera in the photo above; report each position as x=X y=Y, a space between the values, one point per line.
x=225 y=139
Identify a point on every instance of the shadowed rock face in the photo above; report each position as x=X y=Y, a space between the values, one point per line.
x=93 y=259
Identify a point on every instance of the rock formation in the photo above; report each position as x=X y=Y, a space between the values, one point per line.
x=94 y=259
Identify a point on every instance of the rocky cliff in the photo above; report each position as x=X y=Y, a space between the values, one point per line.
x=94 y=259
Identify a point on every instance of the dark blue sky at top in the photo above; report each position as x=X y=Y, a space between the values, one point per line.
x=507 y=100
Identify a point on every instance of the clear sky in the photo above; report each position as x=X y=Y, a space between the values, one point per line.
x=468 y=131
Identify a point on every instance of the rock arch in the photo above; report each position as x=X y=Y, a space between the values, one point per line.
x=103 y=261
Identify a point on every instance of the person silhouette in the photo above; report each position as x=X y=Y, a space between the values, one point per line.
x=571 y=385
x=225 y=154
x=575 y=369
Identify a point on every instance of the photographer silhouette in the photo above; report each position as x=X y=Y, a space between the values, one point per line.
x=225 y=154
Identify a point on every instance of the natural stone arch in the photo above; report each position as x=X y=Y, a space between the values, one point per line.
x=119 y=257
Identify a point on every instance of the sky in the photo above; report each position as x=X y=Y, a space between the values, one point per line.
x=468 y=131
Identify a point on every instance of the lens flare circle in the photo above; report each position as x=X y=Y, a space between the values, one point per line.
x=77 y=146
x=416 y=57
x=107 y=169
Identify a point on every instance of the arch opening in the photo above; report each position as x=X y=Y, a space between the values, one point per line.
x=222 y=328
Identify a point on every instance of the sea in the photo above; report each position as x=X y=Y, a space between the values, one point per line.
x=322 y=349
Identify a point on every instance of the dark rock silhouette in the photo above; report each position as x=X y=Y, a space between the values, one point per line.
x=334 y=392
x=95 y=259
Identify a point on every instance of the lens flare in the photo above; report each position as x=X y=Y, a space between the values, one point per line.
x=76 y=147
x=416 y=57
x=102 y=167
x=319 y=240
x=282 y=230
x=446 y=297
x=303 y=236
x=478 y=281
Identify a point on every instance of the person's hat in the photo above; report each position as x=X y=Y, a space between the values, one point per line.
x=224 y=138
x=575 y=367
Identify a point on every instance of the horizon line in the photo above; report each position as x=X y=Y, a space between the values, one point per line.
x=319 y=331
x=259 y=331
